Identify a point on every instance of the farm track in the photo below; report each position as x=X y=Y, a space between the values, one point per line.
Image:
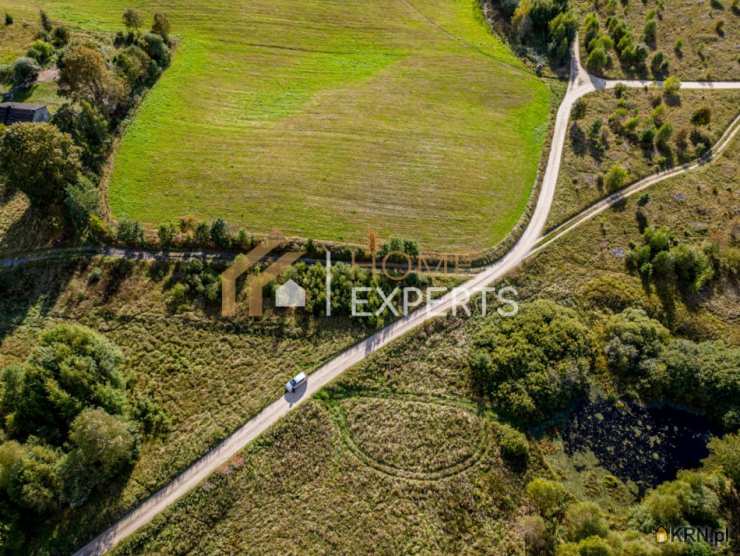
x=580 y=83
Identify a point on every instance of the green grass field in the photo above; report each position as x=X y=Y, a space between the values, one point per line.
x=325 y=118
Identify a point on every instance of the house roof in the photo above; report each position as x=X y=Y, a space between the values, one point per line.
x=14 y=112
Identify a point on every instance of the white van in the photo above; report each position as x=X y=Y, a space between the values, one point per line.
x=296 y=382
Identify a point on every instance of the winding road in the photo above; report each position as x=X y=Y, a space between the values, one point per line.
x=580 y=83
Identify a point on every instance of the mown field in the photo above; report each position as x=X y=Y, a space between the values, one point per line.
x=347 y=470
x=583 y=167
x=708 y=31
x=324 y=119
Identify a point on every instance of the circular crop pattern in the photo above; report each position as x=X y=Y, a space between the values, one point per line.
x=414 y=439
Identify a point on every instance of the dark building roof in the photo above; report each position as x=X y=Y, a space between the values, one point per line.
x=15 y=112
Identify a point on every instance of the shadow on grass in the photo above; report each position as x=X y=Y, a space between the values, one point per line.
x=29 y=229
x=33 y=288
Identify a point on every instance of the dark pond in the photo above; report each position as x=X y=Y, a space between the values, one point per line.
x=647 y=445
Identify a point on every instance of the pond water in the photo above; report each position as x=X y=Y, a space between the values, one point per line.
x=646 y=445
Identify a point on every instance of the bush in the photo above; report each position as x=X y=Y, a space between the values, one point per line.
x=615 y=178
x=41 y=51
x=725 y=453
x=8 y=19
x=40 y=161
x=161 y=26
x=82 y=202
x=538 y=362
x=663 y=135
x=579 y=109
x=202 y=234
x=34 y=482
x=157 y=49
x=514 y=446
x=631 y=340
x=659 y=65
x=692 y=267
x=537 y=539
x=647 y=137
x=220 y=234
x=548 y=496
x=60 y=37
x=132 y=19
x=89 y=129
x=45 y=20
x=693 y=498
x=562 y=30
x=102 y=445
x=649 y=32
x=702 y=116
x=71 y=368
x=25 y=72
x=672 y=86
x=597 y=60
x=130 y=232
x=583 y=520
x=167 y=234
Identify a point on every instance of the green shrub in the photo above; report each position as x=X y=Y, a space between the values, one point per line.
x=549 y=497
x=219 y=234
x=102 y=445
x=702 y=116
x=592 y=546
x=631 y=340
x=161 y=26
x=615 y=178
x=132 y=19
x=539 y=361
x=659 y=64
x=167 y=234
x=130 y=232
x=41 y=51
x=90 y=131
x=650 y=31
x=579 y=109
x=672 y=86
x=693 y=498
x=514 y=445
x=39 y=160
x=597 y=60
x=583 y=520
x=25 y=72
x=60 y=37
x=725 y=453
x=82 y=203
